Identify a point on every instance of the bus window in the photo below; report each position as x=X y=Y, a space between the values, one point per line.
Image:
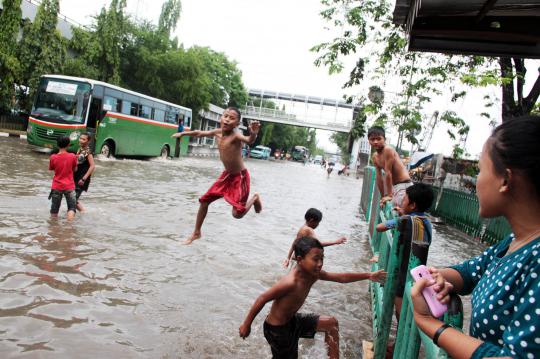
x=170 y=117
x=159 y=115
x=135 y=109
x=110 y=104
x=126 y=107
x=146 y=112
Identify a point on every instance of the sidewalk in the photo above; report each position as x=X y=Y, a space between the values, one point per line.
x=4 y=132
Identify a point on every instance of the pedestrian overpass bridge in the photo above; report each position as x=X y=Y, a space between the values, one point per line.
x=304 y=111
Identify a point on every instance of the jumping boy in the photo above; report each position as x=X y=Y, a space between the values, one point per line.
x=284 y=325
x=417 y=200
x=396 y=178
x=313 y=217
x=233 y=183
x=64 y=164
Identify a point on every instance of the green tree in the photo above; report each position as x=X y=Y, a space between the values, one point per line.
x=422 y=74
x=42 y=48
x=229 y=89
x=111 y=31
x=10 y=20
x=169 y=17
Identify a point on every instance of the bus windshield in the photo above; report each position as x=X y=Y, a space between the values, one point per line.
x=60 y=100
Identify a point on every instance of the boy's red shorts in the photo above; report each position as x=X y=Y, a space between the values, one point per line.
x=233 y=187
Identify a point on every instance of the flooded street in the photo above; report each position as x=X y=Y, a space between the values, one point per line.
x=117 y=283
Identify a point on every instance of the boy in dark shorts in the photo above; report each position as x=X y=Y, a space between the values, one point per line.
x=416 y=229
x=64 y=164
x=233 y=184
x=284 y=325
x=313 y=217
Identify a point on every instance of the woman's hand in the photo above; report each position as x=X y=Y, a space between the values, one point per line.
x=441 y=286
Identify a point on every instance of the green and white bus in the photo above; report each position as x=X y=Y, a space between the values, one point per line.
x=124 y=122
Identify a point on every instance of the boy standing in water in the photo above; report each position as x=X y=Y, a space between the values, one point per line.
x=233 y=184
x=85 y=168
x=396 y=179
x=64 y=164
x=313 y=217
x=284 y=325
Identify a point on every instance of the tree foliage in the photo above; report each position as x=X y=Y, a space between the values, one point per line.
x=10 y=67
x=42 y=48
x=421 y=75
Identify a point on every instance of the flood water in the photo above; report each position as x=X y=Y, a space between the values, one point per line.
x=117 y=283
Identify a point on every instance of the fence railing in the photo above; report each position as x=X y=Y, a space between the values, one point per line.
x=13 y=122
x=460 y=210
x=390 y=249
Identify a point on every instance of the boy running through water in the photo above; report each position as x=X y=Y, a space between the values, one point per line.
x=233 y=183
x=396 y=178
x=64 y=164
x=313 y=217
x=284 y=325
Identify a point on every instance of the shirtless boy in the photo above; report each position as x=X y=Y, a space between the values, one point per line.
x=313 y=217
x=396 y=179
x=233 y=183
x=284 y=325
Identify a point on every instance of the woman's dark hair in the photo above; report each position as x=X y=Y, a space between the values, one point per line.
x=62 y=142
x=304 y=245
x=87 y=135
x=515 y=144
x=313 y=214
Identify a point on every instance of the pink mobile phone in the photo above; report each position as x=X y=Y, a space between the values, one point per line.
x=437 y=308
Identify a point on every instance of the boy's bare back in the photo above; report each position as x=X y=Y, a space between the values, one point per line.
x=305 y=231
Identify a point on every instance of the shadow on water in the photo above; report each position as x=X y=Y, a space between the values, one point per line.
x=116 y=281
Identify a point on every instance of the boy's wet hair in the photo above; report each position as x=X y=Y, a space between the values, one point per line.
x=304 y=245
x=377 y=131
x=313 y=214
x=235 y=110
x=421 y=194
x=514 y=145
x=62 y=142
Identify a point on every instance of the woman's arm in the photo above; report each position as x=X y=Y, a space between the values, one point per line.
x=92 y=167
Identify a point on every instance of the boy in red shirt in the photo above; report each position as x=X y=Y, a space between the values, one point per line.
x=64 y=164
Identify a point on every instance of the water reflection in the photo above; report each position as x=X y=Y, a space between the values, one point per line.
x=116 y=281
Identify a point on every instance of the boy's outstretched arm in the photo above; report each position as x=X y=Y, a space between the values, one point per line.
x=254 y=127
x=278 y=290
x=340 y=240
x=195 y=133
x=378 y=276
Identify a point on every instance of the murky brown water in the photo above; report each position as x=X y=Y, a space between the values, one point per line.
x=116 y=283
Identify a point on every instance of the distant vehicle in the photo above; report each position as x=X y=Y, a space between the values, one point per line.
x=261 y=152
x=245 y=151
x=317 y=159
x=124 y=122
x=300 y=153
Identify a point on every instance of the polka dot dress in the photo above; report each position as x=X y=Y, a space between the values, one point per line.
x=505 y=299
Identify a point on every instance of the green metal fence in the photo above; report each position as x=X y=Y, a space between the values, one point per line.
x=390 y=250
x=460 y=210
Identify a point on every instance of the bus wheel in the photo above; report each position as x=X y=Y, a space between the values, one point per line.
x=107 y=149
x=165 y=152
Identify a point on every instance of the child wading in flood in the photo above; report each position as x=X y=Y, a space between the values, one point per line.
x=313 y=217
x=63 y=164
x=85 y=168
x=284 y=325
x=233 y=184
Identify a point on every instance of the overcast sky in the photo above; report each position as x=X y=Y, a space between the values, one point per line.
x=270 y=40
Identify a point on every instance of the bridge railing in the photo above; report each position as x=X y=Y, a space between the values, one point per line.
x=391 y=250
x=269 y=112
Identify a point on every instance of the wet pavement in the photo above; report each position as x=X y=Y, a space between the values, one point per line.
x=116 y=282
